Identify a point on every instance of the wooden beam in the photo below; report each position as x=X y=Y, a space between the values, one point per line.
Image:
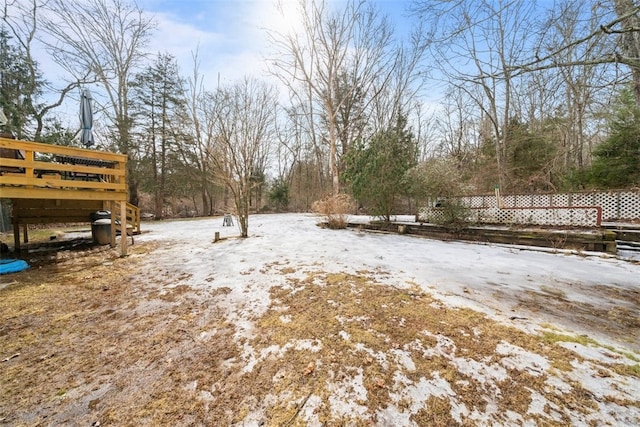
x=61 y=150
x=55 y=212
x=40 y=204
x=123 y=228
x=53 y=183
x=52 y=193
x=56 y=219
x=113 y=223
x=16 y=235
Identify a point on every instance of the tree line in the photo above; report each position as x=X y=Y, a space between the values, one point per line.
x=533 y=100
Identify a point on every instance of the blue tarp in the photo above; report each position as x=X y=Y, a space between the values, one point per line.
x=12 y=265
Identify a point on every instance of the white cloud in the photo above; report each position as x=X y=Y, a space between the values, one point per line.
x=231 y=41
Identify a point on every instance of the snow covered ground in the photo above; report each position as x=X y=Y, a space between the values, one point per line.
x=531 y=290
x=489 y=278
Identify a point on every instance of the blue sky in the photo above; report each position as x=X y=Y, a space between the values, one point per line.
x=230 y=34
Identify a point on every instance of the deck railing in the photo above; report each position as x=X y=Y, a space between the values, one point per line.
x=36 y=170
x=133 y=216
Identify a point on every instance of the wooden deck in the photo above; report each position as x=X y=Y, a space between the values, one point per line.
x=56 y=184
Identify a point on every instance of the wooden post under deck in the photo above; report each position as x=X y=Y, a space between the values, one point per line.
x=123 y=228
x=123 y=225
x=112 y=209
x=16 y=235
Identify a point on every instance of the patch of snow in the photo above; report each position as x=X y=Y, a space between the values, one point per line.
x=309 y=412
x=417 y=394
x=520 y=359
x=604 y=383
x=313 y=346
x=404 y=359
x=598 y=354
x=191 y=386
x=538 y=404
x=286 y=318
x=378 y=356
x=488 y=278
x=434 y=265
x=444 y=345
x=249 y=354
x=557 y=384
x=345 y=395
x=489 y=375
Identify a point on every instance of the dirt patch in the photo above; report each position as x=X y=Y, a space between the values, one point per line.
x=90 y=337
x=96 y=342
x=386 y=340
x=618 y=320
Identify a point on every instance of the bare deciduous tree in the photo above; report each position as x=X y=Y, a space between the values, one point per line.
x=105 y=38
x=473 y=44
x=616 y=40
x=244 y=117
x=202 y=139
x=457 y=127
x=628 y=12
x=398 y=90
x=335 y=64
x=581 y=83
x=22 y=20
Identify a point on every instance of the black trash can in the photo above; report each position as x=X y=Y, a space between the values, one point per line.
x=100 y=215
x=101 y=227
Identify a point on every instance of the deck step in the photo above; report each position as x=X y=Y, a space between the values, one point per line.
x=628 y=246
x=624 y=232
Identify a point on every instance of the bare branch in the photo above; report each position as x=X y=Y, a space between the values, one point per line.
x=535 y=65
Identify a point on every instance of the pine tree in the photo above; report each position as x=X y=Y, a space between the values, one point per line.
x=159 y=113
x=375 y=170
x=17 y=90
x=616 y=162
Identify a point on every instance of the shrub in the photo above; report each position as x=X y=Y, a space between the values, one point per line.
x=335 y=209
x=279 y=195
x=439 y=179
x=455 y=214
x=374 y=168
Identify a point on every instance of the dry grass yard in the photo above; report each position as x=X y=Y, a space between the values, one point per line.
x=297 y=339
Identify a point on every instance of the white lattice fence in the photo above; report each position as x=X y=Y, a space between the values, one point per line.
x=564 y=208
x=577 y=216
x=628 y=206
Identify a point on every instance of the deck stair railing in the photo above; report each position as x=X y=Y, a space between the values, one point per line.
x=133 y=217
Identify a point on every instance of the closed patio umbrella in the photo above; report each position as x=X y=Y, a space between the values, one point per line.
x=86 y=118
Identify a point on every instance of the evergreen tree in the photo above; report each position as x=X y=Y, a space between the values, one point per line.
x=279 y=194
x=159 y=113
x=17 y=90
x=616 y=162
x=55 y=132
x=375 y=170
x=529 y=158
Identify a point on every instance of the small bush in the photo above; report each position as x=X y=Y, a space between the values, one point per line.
x=279 y=195
x=455 y=214
x=335 y=209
